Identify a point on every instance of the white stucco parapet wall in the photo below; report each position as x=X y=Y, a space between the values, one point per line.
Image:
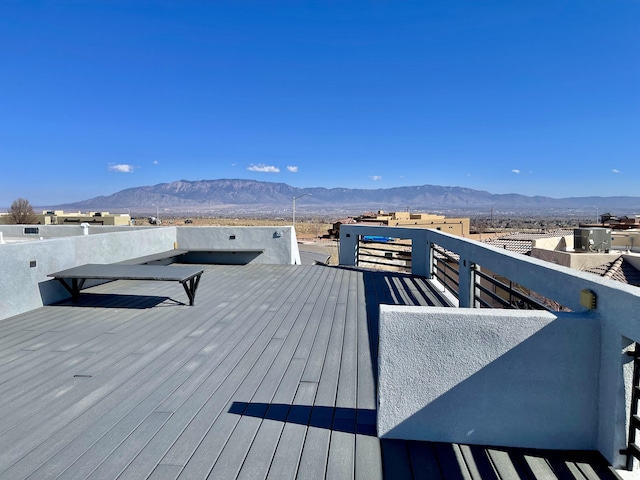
x=279 y=243
x=24 y=266
x=489 y=377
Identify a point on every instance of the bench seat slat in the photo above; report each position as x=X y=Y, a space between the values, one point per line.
x=130 y=272
x=188 y=276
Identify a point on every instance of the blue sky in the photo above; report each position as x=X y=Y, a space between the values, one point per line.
x=532 y=97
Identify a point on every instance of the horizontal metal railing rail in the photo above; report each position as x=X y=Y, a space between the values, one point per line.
x=388 y=254
x=446 y=269
x=517 y=299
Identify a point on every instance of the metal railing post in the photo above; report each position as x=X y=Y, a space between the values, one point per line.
x=466 y=284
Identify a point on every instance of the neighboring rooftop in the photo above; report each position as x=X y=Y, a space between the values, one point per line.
x=523 y=242
x=620 y=270
x=59 y=217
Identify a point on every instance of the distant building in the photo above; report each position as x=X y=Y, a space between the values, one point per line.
x=454 y=226
x=59 y=217
x=614 y=222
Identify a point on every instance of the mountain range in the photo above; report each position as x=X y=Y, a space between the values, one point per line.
x=186 y=195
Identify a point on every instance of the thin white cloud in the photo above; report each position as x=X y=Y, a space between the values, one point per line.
x=375 y=178
x=615 y=170
x=292 y=168
x=515 y=170
x=261 y=167
x=155 y=162
x=121 y=168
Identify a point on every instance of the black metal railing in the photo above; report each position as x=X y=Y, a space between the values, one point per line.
x=384 y=253
x=633 y=450
x=446 y=269
x=491 y=292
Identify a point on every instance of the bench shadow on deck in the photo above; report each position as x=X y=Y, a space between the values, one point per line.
x=271 y=374
x=115 y=300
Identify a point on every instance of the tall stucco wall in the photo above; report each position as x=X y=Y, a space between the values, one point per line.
x=24 y=287
x=277 y=242
x=491 y=377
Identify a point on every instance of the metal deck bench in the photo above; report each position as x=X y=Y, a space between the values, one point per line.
x=188 y=276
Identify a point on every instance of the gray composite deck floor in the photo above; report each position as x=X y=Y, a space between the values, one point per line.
x=271 y=374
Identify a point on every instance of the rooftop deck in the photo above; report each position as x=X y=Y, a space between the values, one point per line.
x=271 y=374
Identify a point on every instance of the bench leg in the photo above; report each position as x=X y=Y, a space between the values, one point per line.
x=75 y=287
x=191 y=288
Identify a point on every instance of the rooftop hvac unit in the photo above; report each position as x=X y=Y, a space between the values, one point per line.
x=593 y=240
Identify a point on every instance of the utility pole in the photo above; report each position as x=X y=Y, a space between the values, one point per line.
x=293 y=219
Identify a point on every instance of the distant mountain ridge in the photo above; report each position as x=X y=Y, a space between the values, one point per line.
x=238 y=192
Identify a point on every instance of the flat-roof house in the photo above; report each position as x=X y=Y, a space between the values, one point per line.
x=308 y=371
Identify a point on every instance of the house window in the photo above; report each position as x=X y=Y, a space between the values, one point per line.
x=31 y=230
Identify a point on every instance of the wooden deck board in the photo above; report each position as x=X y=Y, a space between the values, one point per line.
x=287 y=456
x=272 y=374
x=228 y=379
x=424 y=464
x=74 y=389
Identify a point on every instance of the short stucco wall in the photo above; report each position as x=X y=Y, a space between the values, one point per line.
x=574 y=260
x=47 y=232
x=24 y=283
x=489 y=377
x=554 y=243
x=279 y=243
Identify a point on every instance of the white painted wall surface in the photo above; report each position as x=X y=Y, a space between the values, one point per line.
x=23 y=287
x=57 y=231
x=277 y=242
x=489 y=377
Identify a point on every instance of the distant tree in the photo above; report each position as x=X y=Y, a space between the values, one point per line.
x=21 y=212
